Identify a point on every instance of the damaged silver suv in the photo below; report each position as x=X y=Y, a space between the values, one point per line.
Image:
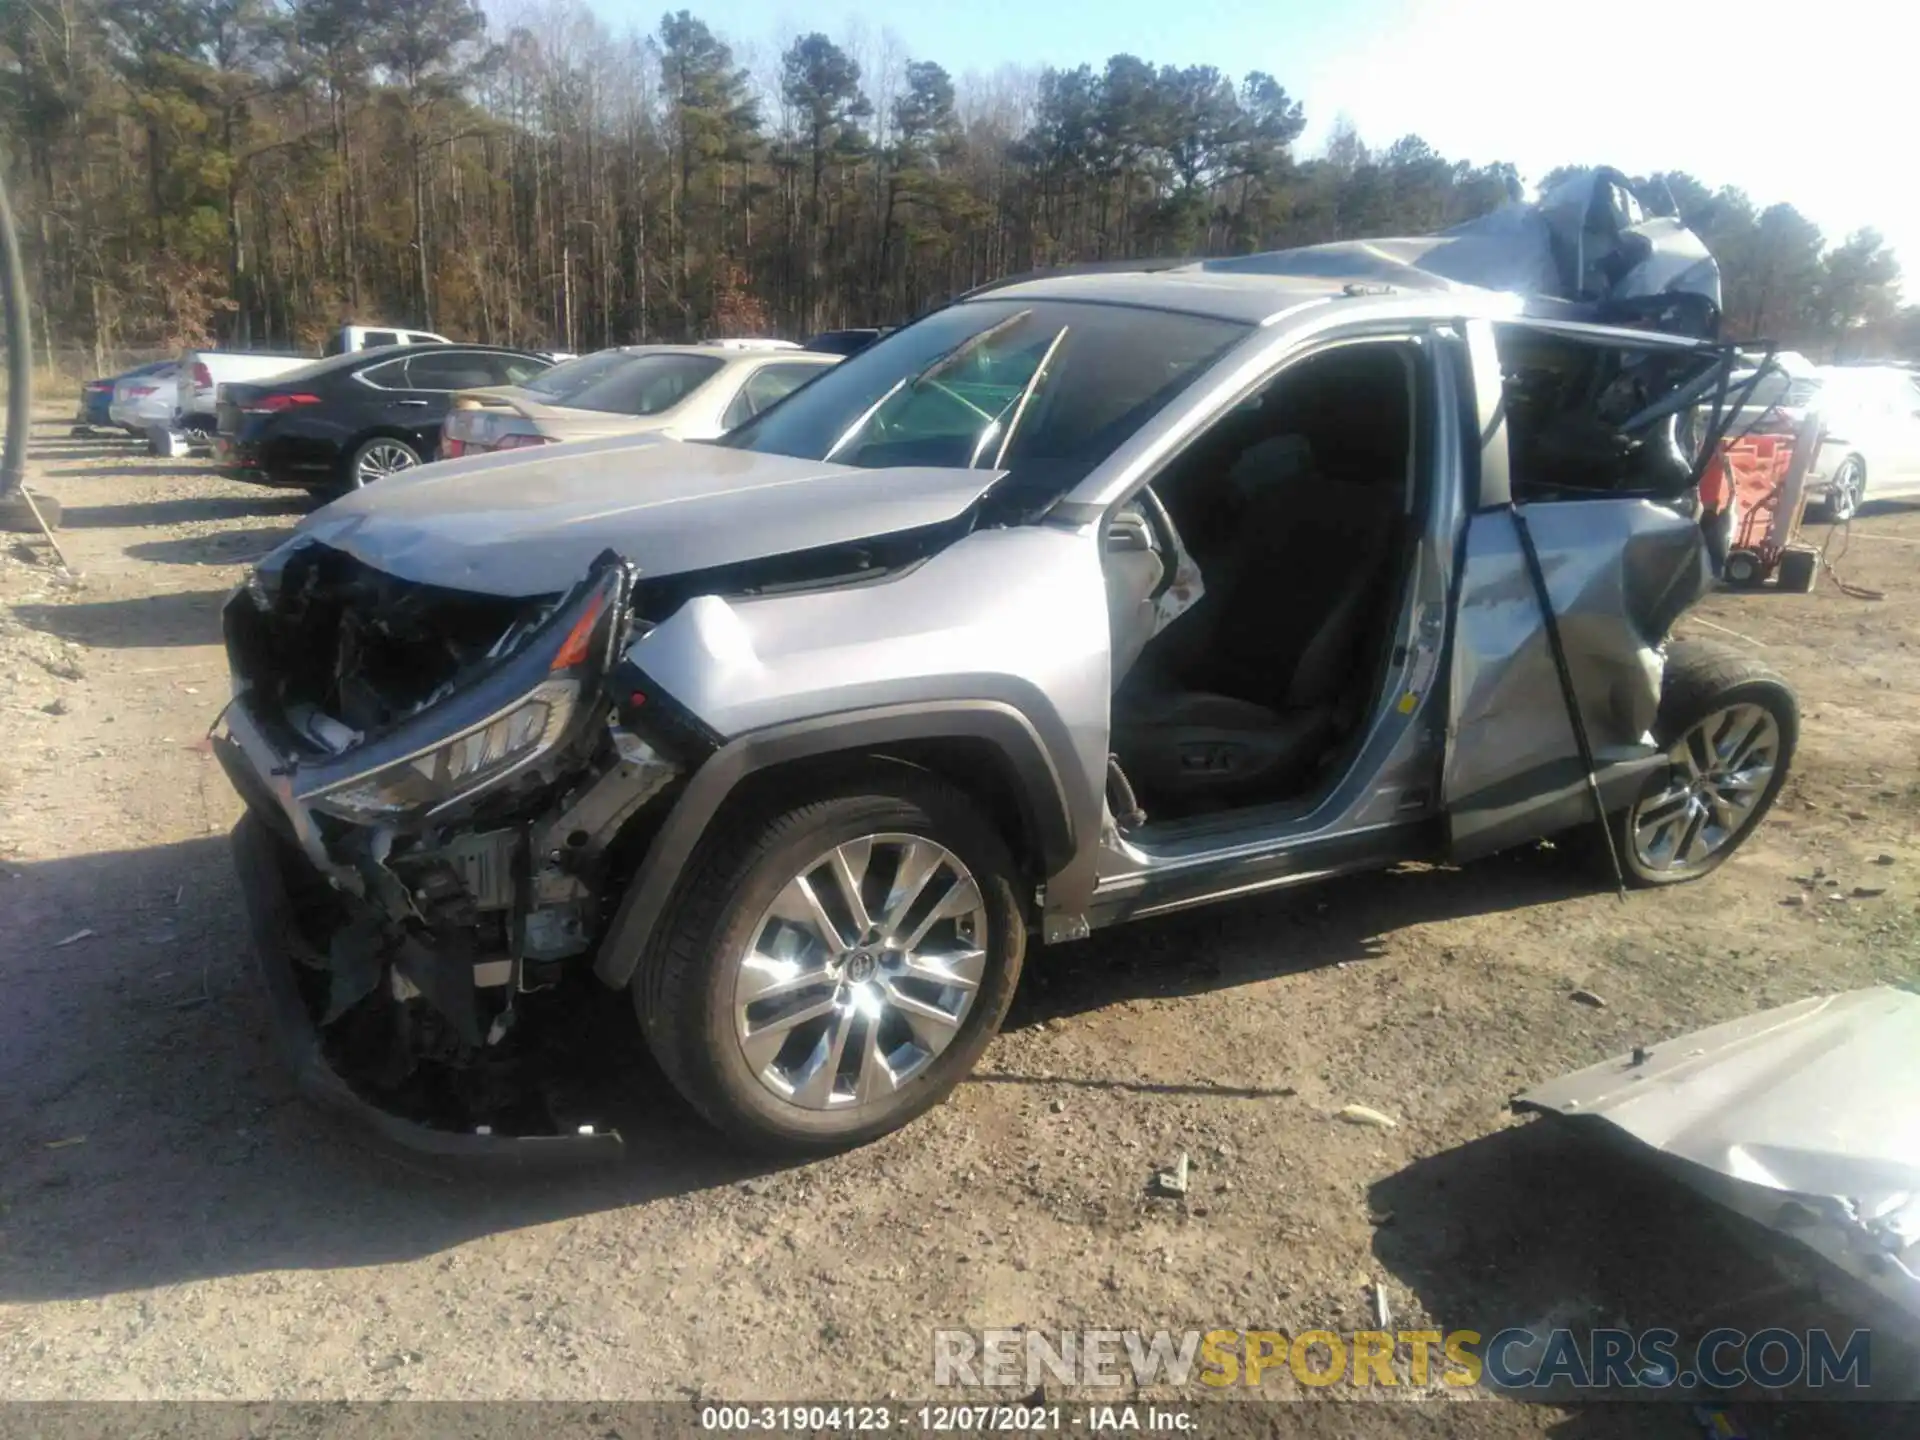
x=1085 y=598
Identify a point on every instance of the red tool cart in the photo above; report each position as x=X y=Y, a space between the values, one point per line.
x=1762 y=476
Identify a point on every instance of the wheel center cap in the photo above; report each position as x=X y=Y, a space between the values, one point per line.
x=860 y=967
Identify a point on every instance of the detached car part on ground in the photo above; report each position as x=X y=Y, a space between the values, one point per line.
x=1176 y=587
x=1805 y=1119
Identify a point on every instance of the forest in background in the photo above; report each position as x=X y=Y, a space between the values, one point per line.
x=255 y=172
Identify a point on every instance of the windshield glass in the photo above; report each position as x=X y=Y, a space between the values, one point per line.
x=1045 y=389
x=624 y=383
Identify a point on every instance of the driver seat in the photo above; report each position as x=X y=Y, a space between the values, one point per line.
x=1241 y=700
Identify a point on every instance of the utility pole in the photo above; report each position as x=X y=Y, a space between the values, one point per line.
x=17 y=508
x=13 y=458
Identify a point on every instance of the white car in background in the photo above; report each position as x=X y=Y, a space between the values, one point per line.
x=142 y=403
x=1872 y=448
x=1872 y=417
x=691 y=392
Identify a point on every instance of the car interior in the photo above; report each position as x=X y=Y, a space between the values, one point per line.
x=1297 y=509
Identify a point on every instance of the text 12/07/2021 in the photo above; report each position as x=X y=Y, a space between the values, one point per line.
x=934 y=1419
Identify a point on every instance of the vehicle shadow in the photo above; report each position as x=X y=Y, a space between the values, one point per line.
x=1341 y=921
x=184 y=511
x=184 y=617
x=149 y=1134
x=222 y=547
x=126 y=471
x=1542 y=1225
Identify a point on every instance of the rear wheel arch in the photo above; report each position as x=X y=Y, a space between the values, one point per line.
x=986 y=750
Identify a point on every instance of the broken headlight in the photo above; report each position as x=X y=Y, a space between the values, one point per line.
x=458 y=767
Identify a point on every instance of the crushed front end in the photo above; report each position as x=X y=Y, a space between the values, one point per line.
x=440 y=789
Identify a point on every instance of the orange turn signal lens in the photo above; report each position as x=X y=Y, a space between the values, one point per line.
x=577 y=646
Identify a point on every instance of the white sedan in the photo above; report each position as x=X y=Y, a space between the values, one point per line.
x=143 y=402
x=691 y=392
x=1872 y=449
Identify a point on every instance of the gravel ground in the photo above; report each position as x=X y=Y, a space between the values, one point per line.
x=175 y=1224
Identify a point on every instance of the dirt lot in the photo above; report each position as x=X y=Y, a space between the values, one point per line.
x=173 y=1223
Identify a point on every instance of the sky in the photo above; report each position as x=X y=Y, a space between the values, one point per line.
x=1808 y=104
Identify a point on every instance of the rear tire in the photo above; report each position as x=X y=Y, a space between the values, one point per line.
x=378 y=458
x=763 y=1077
x=1730 y=726
x=1845 y=491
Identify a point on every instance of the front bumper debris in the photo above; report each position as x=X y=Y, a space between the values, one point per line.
x=425 y=878
x=258 y=856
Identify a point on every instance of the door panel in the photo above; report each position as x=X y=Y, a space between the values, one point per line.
x=1618 y=573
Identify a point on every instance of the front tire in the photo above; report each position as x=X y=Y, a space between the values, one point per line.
x=835 y=968
x=1730 y=725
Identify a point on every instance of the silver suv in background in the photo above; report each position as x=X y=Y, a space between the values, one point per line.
x=1086 y=598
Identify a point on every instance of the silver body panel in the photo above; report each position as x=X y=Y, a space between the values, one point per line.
x=1015 y=619
x=1805 y=1119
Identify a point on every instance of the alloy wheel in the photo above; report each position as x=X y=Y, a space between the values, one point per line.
x=381 y=459
x=1717 y=773
x=861 y=972
x=1845 y=490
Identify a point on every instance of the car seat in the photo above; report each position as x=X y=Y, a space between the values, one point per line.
x=1240 y=700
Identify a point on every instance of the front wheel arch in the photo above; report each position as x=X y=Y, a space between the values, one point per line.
x=986 y=749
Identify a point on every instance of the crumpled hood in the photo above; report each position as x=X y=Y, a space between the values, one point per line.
x=1805 y=1118
x=530 y=522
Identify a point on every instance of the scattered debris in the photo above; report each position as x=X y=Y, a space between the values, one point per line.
x=1587 y=997
x=72 y=939
x=1382 y=1315
x=1868 y=892
x=1364 y=1115
x=55 y=706
x=67 y=1143
x=1173 y=1181
x=1883 y=859
x=1057 y=1106
x=1794 y=900
x=1835 y=897
x=398 y=1360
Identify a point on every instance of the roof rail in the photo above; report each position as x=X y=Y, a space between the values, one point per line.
x=1092 y=267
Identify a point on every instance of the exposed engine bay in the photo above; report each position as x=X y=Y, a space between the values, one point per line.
x=453 y=878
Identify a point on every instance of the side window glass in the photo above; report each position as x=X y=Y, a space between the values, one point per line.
x=377 y=338
x=390 y=376
x=452 y=370
x=740 y=410
x=519 y=370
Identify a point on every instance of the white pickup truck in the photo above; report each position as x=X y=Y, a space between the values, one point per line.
x=203 y=372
